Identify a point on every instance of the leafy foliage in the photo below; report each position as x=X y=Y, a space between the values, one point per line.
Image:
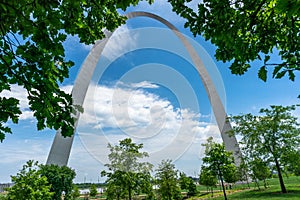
x=243 y=171
x=75 y=192
x=166 y=178
x=127 y=175
x=219 y=161
x=260 y=170
x=230 y=175
x=272 y=136
x=187 y=183
x=32 y=53
x=208 y=178
x=60 y=178
x=244 y=31
x=93 y=190
x=29 y=184
x=292 y=162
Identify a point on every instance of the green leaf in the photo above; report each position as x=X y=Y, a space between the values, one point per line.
x=291 y=75
x=276 y=70
x=280 y=74
x=267 y=58
x=262 y=73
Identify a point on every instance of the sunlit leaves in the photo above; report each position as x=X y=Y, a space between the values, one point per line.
x=166 y=178
x=32 y=53
x=270 y=136
x=219 y=162
x=30 y=184
x=262 y=73
x=60 y=178
x=10 y=111
x=243 y=31
x=126 y=173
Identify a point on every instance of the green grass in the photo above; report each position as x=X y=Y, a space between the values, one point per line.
x=273 y=192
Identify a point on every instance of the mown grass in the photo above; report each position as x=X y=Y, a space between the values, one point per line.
x=273 y=192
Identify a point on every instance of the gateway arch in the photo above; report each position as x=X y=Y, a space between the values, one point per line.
x=61 y=146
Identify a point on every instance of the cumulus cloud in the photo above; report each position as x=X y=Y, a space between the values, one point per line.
x=115 y=112
x=144 y=84
x=31 y=149
x=73 y=42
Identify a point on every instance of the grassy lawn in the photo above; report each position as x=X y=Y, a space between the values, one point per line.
x=273 y=191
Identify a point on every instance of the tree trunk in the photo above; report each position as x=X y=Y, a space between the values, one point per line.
x=283 y=189
x=129 y=192
x=248 y=184
x=224 y=192
x=247 y=180
x=265 y=183
x=257 y=183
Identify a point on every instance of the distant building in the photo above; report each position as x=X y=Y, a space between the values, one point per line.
x=5 y=185
x=87 y=191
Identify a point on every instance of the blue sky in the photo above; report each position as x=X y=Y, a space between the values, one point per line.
x=145 y=87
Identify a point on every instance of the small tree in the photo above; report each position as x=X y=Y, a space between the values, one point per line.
x=126 y=173
x=187 y=183
x=218 y=160
x=243 y=171
x=166 y=176
x=208 y=178
x=183 y=181
x=60 y=178
x=93 y=190
x=75 y=192
x=271 y=136
x=115 y=188
x=260 y=170
x=230 y=174
x=29 y=184
x=292 y=162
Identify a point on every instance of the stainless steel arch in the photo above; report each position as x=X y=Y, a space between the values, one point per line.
x=61 y=147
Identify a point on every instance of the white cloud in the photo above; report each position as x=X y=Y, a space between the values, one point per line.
x=144 y=84
x=30 y=149
x=161 y=8
x=73 y=42
x=116 y=112
x=117 y=45
x=194 y=4
x=113 y=113
x=67 y=88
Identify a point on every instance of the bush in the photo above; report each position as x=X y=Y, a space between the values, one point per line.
x=29 y=183
x=93 y=191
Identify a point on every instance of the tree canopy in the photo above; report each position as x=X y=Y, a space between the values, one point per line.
x=244 y=31
x=60 y=179
x=187 y=183
x=166 y=178
x=273 y=136
x=33 y=56
x=208 y=178
x=127 y=175
x=30 y=184
x=219 y=161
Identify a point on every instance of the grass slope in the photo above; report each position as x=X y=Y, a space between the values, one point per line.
x=273 y=192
